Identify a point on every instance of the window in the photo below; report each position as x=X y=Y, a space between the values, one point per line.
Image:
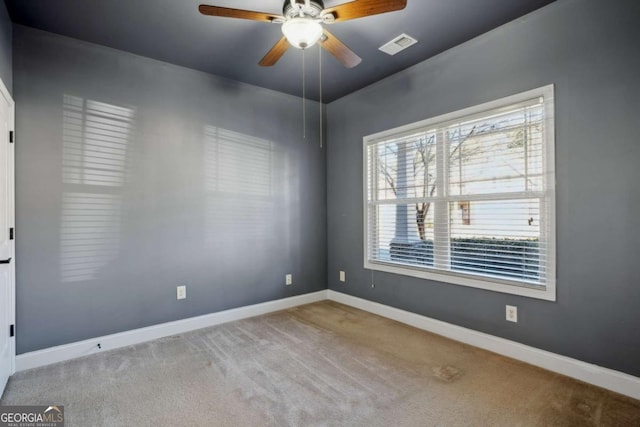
x=465 y=211
x=467 y=197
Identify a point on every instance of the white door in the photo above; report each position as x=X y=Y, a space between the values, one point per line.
x=7 y=252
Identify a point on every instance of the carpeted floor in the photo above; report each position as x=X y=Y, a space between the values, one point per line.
x=317 y=365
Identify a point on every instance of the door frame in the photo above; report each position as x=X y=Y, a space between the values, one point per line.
x=12 y=223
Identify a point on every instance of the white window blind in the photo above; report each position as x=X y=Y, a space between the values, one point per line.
x=467 y=197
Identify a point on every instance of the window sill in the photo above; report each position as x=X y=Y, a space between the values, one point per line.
x=547 y=293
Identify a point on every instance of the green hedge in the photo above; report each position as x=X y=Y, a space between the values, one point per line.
x=502 y=257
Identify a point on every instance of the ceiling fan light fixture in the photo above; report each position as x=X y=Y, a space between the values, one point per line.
x=302 y=32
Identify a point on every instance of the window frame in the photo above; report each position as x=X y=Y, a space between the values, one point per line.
x=546 y=292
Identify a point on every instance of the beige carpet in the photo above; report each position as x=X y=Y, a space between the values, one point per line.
x=322 y=364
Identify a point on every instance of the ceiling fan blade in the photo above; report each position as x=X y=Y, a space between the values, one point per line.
x=339 y=50
x=237 y=13
x=361 y=8
x=275 y=53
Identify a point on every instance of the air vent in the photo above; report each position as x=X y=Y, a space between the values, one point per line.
x=398 y=44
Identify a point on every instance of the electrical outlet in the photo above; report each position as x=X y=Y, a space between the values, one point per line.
x=342 y=276
x=288 y=279
x=512 y=313
x=181 y=292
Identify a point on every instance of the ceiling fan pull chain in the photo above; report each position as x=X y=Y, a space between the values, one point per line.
x=304 y=115
x=320 y=74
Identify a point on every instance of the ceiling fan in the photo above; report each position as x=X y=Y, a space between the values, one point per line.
x=302 y=24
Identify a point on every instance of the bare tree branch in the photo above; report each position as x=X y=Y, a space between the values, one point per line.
x=425 y=155
x=389 y=178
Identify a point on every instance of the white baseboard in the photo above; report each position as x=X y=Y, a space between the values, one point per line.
x=64 y=352
x=603 y=377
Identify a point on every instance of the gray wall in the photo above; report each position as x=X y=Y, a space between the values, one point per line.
x=135 y=176
x=6 y=70
x=589 y=50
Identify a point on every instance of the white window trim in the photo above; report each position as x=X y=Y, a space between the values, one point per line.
x=505 y=286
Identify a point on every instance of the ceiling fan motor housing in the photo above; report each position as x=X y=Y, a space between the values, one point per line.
x=309 y=9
